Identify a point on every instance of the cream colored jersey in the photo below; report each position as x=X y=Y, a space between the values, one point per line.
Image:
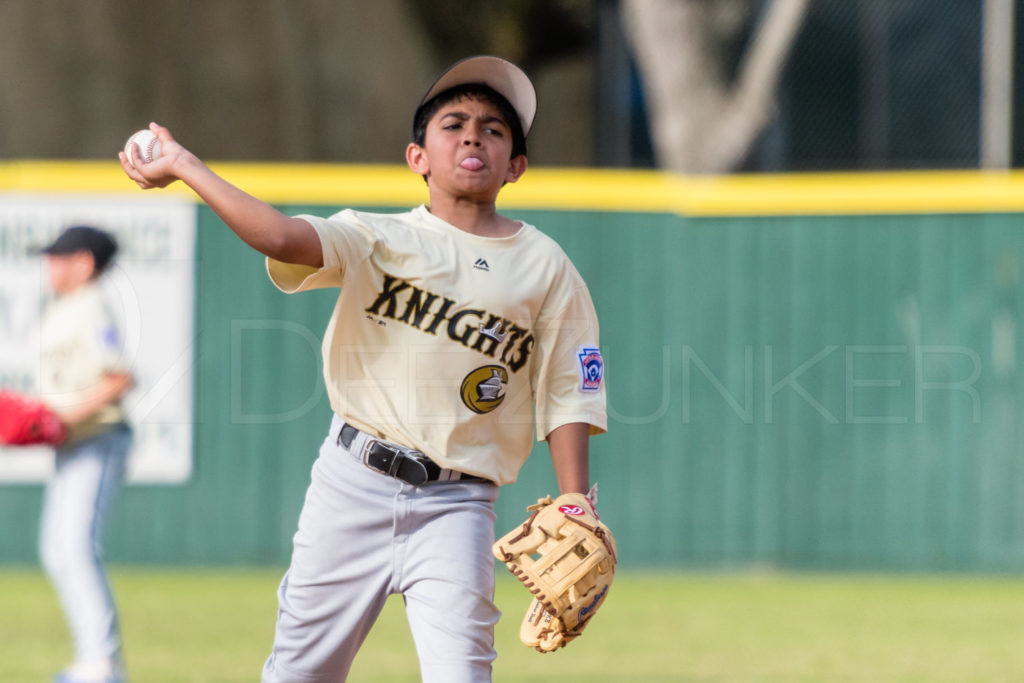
x=80 y=343
x=452 y=343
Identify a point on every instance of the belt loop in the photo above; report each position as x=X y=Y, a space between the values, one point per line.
x=397 y=457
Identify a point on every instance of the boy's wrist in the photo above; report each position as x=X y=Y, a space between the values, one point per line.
x=188 y=168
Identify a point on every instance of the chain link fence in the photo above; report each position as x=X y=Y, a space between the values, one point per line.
x=875 y=85
x=878 y=84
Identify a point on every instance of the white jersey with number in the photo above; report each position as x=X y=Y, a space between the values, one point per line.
x=452 y=343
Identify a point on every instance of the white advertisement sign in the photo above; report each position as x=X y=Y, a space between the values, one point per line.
x=151 y=288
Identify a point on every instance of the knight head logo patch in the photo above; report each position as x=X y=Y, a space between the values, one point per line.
x=591 y=368
x=483 y=390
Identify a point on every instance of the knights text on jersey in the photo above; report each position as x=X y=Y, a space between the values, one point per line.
x=452 y=343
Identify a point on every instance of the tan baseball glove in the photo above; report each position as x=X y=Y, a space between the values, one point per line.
x=565 y=556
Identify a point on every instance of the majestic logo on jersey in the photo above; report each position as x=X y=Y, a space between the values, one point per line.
x=483 y=390
x=591 y=368
x=474 y=328
x=481 y=264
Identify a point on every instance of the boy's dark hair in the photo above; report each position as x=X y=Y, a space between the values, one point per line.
x=426 y=111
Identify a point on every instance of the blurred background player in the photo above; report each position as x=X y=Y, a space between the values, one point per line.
x=83 y=376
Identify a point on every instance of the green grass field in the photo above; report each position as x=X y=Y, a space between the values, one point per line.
x=216 y=625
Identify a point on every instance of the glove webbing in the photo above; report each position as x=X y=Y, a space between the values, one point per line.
x=597 y=531
x=523 y=577
x=527 y=527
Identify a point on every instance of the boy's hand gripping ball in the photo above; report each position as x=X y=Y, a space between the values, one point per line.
x=149 y=146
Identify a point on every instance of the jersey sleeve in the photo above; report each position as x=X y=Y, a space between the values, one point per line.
x=345 y=240
x=569 y=371
x=108 y=339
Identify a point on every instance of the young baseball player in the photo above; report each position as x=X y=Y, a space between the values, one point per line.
x=457 y=332
x=83 y=377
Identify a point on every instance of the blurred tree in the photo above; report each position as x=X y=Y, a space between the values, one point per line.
x=705 y=115
x=529 y=32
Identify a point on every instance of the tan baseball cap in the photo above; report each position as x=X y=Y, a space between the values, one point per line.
x=505 y=77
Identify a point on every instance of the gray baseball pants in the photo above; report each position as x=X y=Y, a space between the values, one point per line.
x=84 y=485
x=363 y=536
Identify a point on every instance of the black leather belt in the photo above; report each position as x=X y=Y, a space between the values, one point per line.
x=406 y=464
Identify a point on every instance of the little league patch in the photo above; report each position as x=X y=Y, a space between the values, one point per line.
x=591 y=368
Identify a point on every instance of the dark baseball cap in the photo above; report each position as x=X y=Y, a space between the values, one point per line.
x=77 y=238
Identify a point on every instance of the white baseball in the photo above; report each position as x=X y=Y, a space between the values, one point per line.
x=149 y=146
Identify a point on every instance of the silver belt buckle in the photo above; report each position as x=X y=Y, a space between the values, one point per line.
x=368 y=446
x=399 y=455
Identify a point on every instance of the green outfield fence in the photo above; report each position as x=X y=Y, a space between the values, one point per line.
x=808 y=372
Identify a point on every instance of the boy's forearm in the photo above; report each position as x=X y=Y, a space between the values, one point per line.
x=89 y=402
x=570 y=455
x=256 y=223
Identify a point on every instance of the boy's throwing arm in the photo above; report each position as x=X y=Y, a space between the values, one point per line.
x=258 y=224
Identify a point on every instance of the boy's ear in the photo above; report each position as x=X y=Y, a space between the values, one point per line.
x=416 y=157
x=516 y=168
x=86 y=263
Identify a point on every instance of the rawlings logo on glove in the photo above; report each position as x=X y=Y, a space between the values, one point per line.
x=25 y=421
x=572 y=572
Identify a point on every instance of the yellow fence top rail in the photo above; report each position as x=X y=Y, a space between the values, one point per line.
x=573 y=189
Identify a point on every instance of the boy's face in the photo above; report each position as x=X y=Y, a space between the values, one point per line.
x=467 y=151
x=69 y=271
